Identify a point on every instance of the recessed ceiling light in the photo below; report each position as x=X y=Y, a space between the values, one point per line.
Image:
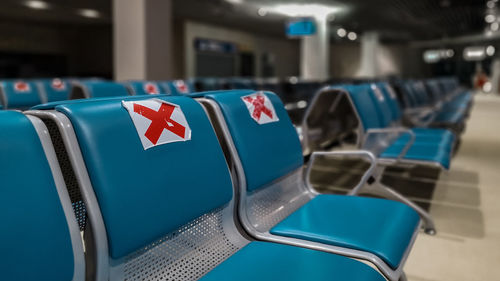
x=235 y=1
x=490 y=4
x=37 y=5
x=352 y=36
x=490 y=50
x=341 y=32
x=490 y=18
x=304 y=10
x=89 y=13
x=494 y=26
x=262 y=12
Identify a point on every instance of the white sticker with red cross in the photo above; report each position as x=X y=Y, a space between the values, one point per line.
x=261 y=108
x=22 y=87
x=181 y=86
x=58 y=84
x=158 y=122
x=151 y=88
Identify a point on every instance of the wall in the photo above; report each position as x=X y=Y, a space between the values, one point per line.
x=345 y=60
x=87 y=49
x=285 y=51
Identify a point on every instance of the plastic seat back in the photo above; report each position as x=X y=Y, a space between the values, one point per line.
x=54 y=89
x=19 y=94
x=392 y=100
x=97 y=89
x=158 y=218
x=177 y=87
x=39 y=237
x=265 y=152
x=363 y=103
x=140 y=88
x=382 y=105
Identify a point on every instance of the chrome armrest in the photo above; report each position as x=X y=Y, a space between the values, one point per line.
x=387 y=131
x=351 y=153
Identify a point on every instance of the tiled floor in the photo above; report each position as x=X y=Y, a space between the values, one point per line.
x=465 y=203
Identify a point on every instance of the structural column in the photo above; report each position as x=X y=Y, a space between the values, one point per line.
x=369 y=49
x=142 y=39
x=314 y=52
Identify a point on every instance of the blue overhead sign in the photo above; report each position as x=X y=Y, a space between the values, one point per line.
x=301 y=27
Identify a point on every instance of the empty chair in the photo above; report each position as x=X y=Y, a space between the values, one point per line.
x=276 y=201
x=19 y=94
x=97 y=89
x=54 y=89
x=144 y=88
x=160 y=197
x=39 y=236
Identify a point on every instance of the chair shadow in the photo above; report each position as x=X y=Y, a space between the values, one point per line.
x=453 y=197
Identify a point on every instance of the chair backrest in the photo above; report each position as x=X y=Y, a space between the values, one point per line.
x=54 y=89
x=382 y=105
x=140 y=88
x=19 y=94
x=392 y=100
x=97 y=89
x=268 y=148
x=420 y=93
x=39 y=237
x=265 y=154
x=364 y=106
x=154 y=210
x=178 y=87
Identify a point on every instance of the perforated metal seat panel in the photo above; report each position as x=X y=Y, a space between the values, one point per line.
x=185 y=254
x=268 y=206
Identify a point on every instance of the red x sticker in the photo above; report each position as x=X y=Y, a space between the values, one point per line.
x=158 y=122
x=58 y=84
x=22 y=87
x=181 y=87
x=151 y=88
x=260 y=107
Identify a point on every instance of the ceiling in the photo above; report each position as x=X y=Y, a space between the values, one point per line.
x=399 y=20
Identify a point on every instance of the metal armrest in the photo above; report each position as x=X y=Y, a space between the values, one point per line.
x=353 y=153
x=399 y=130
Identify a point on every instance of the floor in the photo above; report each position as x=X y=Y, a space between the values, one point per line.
x=465 y=203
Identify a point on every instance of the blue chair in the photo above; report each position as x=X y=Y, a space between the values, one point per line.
x=54 y=89
x=276 y=203
x=165 y=212
x=177 y=87
x=85 y=89
x=19 y=94
x=39 y=236
x=144 y=88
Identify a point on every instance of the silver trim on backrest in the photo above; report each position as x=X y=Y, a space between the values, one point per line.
x=42 y=93
x=74 y=231
x=185 y=254
x=3 y=96
x=77 y=86
x=93 y=210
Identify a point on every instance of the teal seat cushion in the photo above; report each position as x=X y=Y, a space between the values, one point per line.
x=276 y=262
x=441 y=137
x=421 y=152
x=382 y=227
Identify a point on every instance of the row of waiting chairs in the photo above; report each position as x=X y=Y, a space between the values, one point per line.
x=374 y=115
x=23 y=94
x=207 y=187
